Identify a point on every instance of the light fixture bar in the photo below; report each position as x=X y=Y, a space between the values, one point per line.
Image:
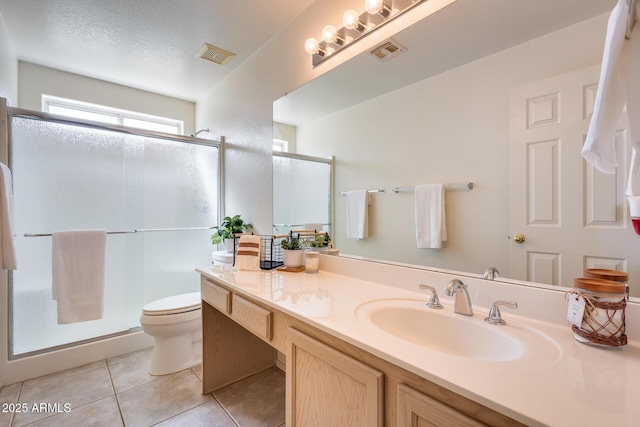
x=377 y=13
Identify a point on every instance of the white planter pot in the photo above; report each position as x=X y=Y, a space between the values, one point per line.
x=228 y=245
x=293 y=258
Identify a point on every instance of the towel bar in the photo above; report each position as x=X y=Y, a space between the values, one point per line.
x=380 y=190
x=459 y=186
x=138 y=230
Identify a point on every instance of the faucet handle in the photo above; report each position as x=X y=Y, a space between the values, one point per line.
x=494 y=312
x=491 y=273
x=434 y=301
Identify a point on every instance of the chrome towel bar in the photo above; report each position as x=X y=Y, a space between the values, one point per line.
x=459 y=186
x=379 y=190
x=137 y=230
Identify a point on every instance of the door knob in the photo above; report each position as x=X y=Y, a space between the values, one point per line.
x=518 y=238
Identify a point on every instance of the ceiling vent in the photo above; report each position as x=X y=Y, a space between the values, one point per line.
x=214 y=54
x=388 y=50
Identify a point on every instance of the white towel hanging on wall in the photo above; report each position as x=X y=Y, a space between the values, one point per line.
x=357 y=214
x=431 y=225
x=619 y=83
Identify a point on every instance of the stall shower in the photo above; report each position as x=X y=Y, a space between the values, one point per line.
x=156 y=196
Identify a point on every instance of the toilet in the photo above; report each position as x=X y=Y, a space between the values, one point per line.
x=175 y=324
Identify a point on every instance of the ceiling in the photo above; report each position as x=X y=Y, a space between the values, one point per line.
x=462 y=32
x=146 y=44
x=152 y=44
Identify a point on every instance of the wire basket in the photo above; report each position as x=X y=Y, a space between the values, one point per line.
x=271 y=255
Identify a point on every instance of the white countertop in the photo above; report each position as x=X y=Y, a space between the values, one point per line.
x=560 y=382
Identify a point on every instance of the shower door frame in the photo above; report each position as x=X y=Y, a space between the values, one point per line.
x=329 y=161
x=37 y=363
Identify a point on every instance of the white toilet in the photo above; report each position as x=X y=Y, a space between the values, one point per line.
x=175 y=324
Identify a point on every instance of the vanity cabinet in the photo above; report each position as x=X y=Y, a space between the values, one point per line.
x=230 y=351
x=328 y=388
x=416 y=409
x=329 y=381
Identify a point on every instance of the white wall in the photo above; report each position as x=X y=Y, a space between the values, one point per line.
x=35 y=80
x=449 y=128
x=286 y=133
x=8 y=68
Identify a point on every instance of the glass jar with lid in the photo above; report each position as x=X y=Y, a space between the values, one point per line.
x=603 y=320
x=615 y=275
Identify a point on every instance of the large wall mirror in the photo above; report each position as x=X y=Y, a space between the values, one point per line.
x=450 y=109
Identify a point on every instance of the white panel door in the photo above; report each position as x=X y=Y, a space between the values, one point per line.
x=571 y=215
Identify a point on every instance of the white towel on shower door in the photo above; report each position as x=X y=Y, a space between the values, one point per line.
x=78 y=271
x=7 y=247
x=431 y=226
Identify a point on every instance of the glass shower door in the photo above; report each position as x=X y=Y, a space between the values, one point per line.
x=69 y=177
x=301 y=192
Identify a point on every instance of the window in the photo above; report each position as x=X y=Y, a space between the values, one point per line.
x=280 y=145
x=109 y=115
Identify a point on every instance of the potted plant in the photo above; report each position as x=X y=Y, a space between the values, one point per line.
x=321 y=242
x=293 y=248
x=226 y=230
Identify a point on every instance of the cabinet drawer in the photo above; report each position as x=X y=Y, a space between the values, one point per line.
x=215 y=295
x=252 y=317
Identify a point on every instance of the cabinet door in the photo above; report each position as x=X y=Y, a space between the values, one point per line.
x=416 y=409
x=328 y=388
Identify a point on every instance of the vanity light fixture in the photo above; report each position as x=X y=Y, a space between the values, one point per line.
x=376 y=14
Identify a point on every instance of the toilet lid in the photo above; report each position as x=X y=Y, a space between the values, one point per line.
x=173 y=305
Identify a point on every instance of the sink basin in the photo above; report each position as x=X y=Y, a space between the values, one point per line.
x=447 y=332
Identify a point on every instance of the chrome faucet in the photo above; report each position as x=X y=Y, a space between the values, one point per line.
x=461 y=300
x=433 y=302
x=491 y=273
x=495 y=318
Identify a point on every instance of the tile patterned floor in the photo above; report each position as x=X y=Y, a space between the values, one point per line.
x=120 y=392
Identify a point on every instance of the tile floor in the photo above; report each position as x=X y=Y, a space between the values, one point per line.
x=120 y=392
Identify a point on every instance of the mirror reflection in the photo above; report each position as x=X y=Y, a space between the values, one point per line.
x=450 y=109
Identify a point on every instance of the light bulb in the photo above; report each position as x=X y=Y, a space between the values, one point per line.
x=311 y=46
x=329 y=34
x=351 y=21
x=377 y=7
x=373 y=6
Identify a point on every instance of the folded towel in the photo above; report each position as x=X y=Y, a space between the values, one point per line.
x=7 y=247
x=431 y=228
x=621 y=59
x=78 y=270
x=357 y=214
x=313 y=226
x=248 y=255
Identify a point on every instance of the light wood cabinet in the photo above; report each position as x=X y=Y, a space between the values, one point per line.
x=328 y=388
x=216 y=296
x=330 y=382
x=415 y=409
x=251 y=316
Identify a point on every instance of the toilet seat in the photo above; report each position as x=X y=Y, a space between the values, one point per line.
x=173 y=305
